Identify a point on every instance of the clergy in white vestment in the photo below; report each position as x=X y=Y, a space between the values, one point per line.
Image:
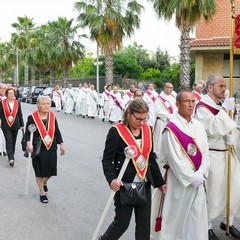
x=77 y=100
x=165 y=106
x=212 y=112
x=185 y=151
x=57 y=98
x=92 y=102
x=105 y=103
x=116 y=106
x=128 y=96
x=149 y=97
x=68 y=98
x=198 y=92
x=83 y=100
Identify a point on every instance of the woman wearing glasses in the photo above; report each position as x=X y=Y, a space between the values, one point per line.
x=143 y=168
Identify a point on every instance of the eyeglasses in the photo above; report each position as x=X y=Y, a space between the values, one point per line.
x=141 y=119
x=188 y=101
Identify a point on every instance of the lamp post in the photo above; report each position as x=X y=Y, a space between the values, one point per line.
x=17 y=73
x=97 y=69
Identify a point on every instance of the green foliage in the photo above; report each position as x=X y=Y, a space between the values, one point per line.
x=151 y=74
x=192 y=74
x=126 y=66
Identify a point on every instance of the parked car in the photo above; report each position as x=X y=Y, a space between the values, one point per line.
x=49 y=92
x=33 y=94
x=23 y=94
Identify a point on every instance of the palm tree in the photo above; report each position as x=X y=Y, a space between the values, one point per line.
x=67 y=51
x=21 y=38
x=109 y=21
x=187 y=14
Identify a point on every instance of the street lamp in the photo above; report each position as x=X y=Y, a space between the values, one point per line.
x=17 y=68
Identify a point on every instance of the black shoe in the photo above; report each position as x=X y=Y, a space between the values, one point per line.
x=43 y=199
x=4 y=154
x=100 y=237
x=103 y=120
x=232 y=230
x=211 y=235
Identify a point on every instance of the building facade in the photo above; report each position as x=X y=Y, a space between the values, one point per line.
x=211 y=47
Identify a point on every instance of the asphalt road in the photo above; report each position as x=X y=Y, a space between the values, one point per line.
x=77 y=196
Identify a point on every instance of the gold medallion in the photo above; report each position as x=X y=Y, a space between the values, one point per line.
x=141 y=162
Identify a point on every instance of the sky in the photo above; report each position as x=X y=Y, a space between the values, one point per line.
x=153 y=32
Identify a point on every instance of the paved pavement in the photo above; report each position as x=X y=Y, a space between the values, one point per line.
x=77 y=196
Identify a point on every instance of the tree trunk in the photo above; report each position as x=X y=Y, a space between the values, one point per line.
x=51 y=77
x=65 y=76
x=33 y=72
x=184 y=58
x=26 y=74
x=109 y=69
x=41 y=77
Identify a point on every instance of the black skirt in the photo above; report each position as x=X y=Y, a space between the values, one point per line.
x=46 y=164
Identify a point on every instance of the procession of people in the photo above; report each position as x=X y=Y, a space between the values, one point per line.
x=182 y=142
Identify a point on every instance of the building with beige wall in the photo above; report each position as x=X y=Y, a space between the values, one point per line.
x=211 y=47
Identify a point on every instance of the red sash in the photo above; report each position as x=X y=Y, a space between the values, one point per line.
x=197 y=96
x=150 y=95
x=47 y=135
x=58 y=93
x=129 y=94
x=166 y=104
x=129 y=139
x=10 y=115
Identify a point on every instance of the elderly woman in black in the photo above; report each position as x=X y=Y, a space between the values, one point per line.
x=45 y=139
x=132 y=131
x=11 y=121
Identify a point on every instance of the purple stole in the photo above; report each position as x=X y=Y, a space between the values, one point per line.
x=116 y=101
x=213 y=110
x=170 y=109
x=108 y=94
x=187 y=144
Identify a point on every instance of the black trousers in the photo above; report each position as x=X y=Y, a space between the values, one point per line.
x=10 y=137
x=123 y=214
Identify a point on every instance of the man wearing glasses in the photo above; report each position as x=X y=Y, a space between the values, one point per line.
x=212 y=112
x=165 y=106
x=185 y=151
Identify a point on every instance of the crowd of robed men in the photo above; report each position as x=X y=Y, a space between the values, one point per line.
x=191 y=135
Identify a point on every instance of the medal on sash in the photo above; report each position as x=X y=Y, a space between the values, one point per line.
x=10 y=115
x=141 y=162
x=10 y=118
x=47 y=139
x=191 y=149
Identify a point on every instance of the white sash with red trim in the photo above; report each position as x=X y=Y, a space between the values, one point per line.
x=130 y=95
x=47 y=135
x=10 y=115
x=141 y=160
x=150 y=95
x=197 y=96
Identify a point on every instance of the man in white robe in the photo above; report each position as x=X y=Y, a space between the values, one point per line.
x=198 y=92
x=149 y=97
x=105 y=103
x=92 y=102
x=165 y=106
x=128 y=96
x=184 y=212
x=57 y=98
x=83 y=100
x=116 y=106
x=3 y=150
x=68 y=98
x=213 y=114
x=77 y=100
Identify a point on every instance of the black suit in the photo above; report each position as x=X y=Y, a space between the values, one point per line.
x=10 y=133
x=112 y=162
